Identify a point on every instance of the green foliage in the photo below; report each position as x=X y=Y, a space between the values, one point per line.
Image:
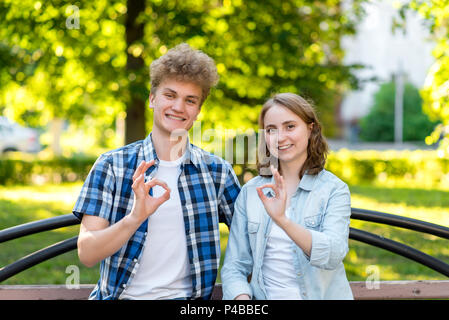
x=391 y=168
x=436 y=88
x=22 y=171
x=386 y=168
x=378 y=125
x=50 y=71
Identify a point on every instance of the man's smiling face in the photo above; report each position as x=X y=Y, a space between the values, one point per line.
x=176 y=105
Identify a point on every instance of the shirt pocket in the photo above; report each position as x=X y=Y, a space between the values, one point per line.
x=253 y=227
x=315 y=214
x=313 y=222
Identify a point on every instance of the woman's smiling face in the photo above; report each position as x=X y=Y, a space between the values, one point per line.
x=286 y=134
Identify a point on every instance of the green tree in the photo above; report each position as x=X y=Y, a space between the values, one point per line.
x=99 y=71
x=378 y=125
x=436 y=88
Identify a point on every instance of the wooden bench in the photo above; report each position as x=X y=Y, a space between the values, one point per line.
x=386 y=290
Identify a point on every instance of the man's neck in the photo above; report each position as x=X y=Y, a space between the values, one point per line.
x=169 y=148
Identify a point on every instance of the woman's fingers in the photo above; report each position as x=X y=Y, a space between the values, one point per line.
x=276 y=176
x=262 y=196
x=278 y=179
x=282 y=182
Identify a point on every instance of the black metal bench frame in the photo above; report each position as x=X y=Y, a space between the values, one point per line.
x=407 y=289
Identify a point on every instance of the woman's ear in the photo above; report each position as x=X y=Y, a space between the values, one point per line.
x=310 y=126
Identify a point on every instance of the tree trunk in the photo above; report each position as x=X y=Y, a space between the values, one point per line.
x=135 y=109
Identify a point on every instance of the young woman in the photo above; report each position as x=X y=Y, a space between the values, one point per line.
x=289 y=232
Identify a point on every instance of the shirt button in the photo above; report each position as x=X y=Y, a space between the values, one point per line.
x=135 y=260
x=124 y=285
x=299 y=274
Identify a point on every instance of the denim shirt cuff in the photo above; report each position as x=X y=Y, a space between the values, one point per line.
x=319 y=254
x=234 y=289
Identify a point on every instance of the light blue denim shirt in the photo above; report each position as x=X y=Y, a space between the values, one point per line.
x=322 y=204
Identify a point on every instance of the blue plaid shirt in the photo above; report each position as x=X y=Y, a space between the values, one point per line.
x=207 y=188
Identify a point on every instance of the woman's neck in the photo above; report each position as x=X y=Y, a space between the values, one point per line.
x=290 y=173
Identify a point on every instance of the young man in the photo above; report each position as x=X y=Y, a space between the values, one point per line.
x=150 y=211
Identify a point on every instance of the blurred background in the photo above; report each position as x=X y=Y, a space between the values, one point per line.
x=74 y=82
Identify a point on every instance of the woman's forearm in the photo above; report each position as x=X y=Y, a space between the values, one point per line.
x=300 y=235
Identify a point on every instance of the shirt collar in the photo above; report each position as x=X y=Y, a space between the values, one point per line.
x=149 y=152
x=306 y=183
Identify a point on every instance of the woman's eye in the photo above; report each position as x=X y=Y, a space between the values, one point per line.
x=271 y=130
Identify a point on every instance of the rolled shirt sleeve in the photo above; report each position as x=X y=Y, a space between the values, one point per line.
x=97 y=194
x=238 y=260
x=231 y=189
x=330 y=244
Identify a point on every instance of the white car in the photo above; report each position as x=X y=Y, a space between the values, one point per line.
x=14 y=137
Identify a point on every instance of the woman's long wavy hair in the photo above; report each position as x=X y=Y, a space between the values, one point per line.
x=317 y=148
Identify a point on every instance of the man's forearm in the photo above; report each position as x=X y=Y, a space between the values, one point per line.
x=96 y=245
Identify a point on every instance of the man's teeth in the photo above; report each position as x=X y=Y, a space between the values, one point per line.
x=174 y=117
x=284 y=147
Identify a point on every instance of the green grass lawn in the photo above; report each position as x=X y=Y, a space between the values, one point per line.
x=21 y=204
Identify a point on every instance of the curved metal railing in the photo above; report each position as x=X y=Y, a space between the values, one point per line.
x=355 y=234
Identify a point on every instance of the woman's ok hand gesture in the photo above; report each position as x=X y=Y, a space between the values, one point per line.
x=275 y=206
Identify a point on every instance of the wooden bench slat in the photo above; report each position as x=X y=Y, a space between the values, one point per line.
x=422 y=289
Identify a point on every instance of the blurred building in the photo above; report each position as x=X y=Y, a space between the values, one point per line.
x=384 y=52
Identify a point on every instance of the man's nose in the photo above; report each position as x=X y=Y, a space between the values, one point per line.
x=178 y=105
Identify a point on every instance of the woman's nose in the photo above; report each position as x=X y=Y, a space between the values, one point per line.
x=281 y=136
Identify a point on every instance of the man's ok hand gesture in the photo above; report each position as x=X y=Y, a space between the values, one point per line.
x=144 y=204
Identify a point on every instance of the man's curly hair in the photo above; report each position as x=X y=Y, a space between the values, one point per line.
x=185 y=64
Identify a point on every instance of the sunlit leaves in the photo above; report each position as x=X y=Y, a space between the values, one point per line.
x=260 y=47
x=436 y=88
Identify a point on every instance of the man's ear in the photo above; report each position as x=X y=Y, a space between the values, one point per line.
x=151 y=100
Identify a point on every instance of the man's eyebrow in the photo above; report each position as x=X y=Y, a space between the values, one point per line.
x=168 y=89
x=173 y=91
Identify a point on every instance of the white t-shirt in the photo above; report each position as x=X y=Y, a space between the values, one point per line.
x=279 y=274
x=164 y=270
